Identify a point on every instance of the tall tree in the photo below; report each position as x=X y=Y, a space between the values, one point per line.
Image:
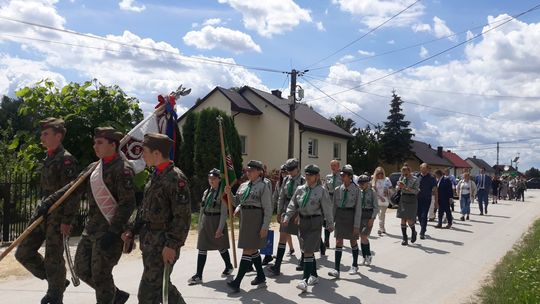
x=348 y=125
x=187 y=149
x=396 y=138
x=532 y=172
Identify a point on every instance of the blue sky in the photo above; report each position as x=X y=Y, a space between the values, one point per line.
x=459 y=99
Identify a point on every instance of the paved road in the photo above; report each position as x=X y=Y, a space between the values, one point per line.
x=447 y=267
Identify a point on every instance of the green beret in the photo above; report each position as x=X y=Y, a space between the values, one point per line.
x=347 y=169
x=312 y=169
x=214 y=172
x=283 y=167
x=108 y=133
x=157 y=141
x=56 y=124
x=255 y=164
x=291 y=164
x=363 y=179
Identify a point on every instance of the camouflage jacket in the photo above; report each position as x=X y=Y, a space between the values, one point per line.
x=118 y=177
x=167 y=203
x=57 y=171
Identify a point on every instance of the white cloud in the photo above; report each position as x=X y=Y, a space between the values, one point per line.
x=210 y=37
x=374 y=12
x=469 y=35
x=129 y=5
x=505 y=62
x=421 y=27
x=423 y=52
x=365 y=53
x=270 y=17
x=320 y=27
x=212 y=21
x=16 y=73
x=391 y=41
x=440 y=29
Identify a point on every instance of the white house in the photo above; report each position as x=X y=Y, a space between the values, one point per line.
x=262 y=121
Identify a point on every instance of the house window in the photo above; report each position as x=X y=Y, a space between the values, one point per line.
x=337 y=151
x=313 y=147
x=243 y=144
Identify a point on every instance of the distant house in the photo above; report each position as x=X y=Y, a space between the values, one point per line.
x=477 y=164
x=262 y=121
x=423 y=153
x=459 y=165
x=506 y=170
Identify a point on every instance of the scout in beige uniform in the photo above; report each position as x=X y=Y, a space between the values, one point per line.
x=331 y=182
x=311 y=202
x=347 y=215
x=367 y=199
x=253 y=201
x=213 y=233
x=292 y=182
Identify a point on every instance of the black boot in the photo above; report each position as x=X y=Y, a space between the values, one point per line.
x=121 y=296
x=405 y=241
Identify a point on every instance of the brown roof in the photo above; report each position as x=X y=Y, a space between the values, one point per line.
x=426 y=154
x=307 y=118
x=481 y=164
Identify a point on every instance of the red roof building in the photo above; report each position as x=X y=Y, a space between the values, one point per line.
x=459 y=165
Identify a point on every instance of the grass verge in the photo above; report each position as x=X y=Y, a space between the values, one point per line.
x=516 y=279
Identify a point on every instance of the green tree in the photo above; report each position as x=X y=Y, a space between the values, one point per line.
x=396 y=138
x=187 y=149
x=532 y=172
x=83 y=107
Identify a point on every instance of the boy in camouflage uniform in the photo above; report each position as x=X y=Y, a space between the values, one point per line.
x=100 y=247
x=59 y=168
x=163 y=220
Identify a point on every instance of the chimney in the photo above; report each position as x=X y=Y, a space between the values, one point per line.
x=474 y=156
x=276 y=93
x=439 y=151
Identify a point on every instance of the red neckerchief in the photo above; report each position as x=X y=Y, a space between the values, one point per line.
x=109 y=159
x=162 y=166
x=51 y=152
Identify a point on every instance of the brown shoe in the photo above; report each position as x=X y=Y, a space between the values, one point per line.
x=448 y=226
x=438 y=226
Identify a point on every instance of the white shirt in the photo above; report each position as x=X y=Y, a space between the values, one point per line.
x=380 y=186
x=465 y=187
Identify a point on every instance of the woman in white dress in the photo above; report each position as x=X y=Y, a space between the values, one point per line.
x=382 y=185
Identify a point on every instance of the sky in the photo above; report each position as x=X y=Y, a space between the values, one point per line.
x=467 y=71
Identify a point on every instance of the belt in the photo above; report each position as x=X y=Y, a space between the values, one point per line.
x=251 y=207
x=347 y=208
x=407 y=194
x=211 y=213
x=309 y=216
x=367 y=209
x=155 y=226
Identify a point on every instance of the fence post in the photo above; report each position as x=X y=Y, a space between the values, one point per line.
x=6 y=190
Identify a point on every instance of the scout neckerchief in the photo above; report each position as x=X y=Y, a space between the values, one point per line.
x=364 y=198
x=344 y=199
x=246 y=193
x=103 y=197
x=290 y=186
x=306 y=196
x=209 y=197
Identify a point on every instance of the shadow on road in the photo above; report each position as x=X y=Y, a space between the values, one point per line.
x=457 y=243
x=393 y=274
x=429 y=250
x=481 y=222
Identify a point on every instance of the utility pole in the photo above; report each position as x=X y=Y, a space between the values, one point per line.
x=292 y=109
x=497 y=153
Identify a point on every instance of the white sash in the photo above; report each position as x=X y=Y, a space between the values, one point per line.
x=103 y=197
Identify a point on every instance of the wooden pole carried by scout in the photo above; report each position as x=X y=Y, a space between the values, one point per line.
x=229 y=198
x=39 y=220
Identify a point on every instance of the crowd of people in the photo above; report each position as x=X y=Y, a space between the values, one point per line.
x=310 y=206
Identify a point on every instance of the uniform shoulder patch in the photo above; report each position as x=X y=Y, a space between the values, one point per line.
x=182 y=184
x=68 y=162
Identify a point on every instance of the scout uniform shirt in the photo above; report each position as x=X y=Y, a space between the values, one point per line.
x=118 y=177
x=348 y=199
x=256 y=195
x=59 y=168
x=211 y=204
x=166 y=205
x=368 y=200
x=287 y=191
x=331 y=182
x=309 y=201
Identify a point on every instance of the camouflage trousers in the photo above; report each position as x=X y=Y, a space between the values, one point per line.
x=150 y=288
x=51 y=267
x=94 y=266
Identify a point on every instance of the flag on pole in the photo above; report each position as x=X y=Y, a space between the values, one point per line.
x=230 y=167
x=162 y=120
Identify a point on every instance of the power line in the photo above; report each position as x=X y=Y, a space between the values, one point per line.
x=435 y=55
x=413 y=45
x=364 y=35
x=494 y=143
x=341 y=104
x=199 y=59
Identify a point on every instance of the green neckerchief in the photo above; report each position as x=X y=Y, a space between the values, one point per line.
x=209 y=197
x=344 y=199
x=245 y=195
x=306 y=196
x=364 y=198
x=290 y=186
x=333 y=181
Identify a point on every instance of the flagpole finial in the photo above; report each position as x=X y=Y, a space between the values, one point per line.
x=219 y=119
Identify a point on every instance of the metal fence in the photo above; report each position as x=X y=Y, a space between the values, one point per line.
x=19 y=195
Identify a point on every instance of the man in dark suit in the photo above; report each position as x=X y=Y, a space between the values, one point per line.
x=445 y=194
x=483 y=183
